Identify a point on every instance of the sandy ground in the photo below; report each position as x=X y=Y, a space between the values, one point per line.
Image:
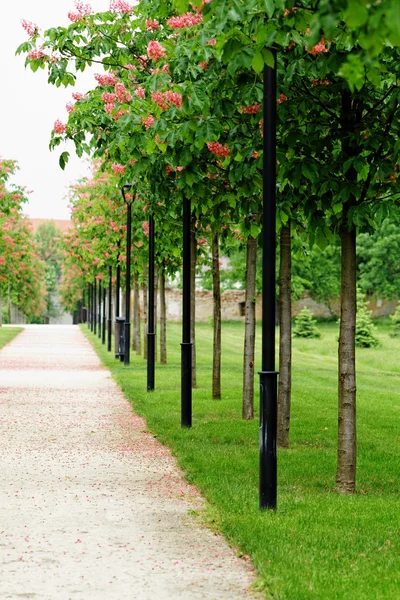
x=92 y=506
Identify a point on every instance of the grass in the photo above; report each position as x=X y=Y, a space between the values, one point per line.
x=7 y=334
x=318 y=544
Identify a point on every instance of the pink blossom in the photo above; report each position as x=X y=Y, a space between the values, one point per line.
x=168 y=170
x=77 y=96
x=109 y=107
x=122 y=93
x=282 y=98
x=148 y=122
x=155 y=51
x=152 y=25
x=59 y=127
x=105 y=78
x=70 y=107
x=218 y=149
x=158 y=98
x=82 y=11
x=120 y=114
x=251 y=110
x=30 y=28
x=108 y=97
x=120 y=6
x=319 y=48
x=139 y=92
x=255 y=154
x=145 y=227
x=187 y=20
x=117 y=168
x=203 y=65
x=166 y=69
x=211 y=42
x=201 y=242
x=180 y=168
x=36 y=53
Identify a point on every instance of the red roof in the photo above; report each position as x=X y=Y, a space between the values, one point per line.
x=63 y=224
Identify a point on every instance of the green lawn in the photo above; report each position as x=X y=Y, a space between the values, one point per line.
x=318 y=544
x=7 y=334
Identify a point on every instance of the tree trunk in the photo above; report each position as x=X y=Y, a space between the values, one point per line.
x=136 y=345
x=145 y=312
x=193 y=260
x=346 y=466
x=163 y=320
x=249 y=330
x=285 y=338
x=216 y=375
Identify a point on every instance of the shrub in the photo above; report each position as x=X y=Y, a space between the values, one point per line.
x=365 y=329
x=305 y=325
x=395 y=317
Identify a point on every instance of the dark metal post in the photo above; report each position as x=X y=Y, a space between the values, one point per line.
x=103 y=331
x=95 y=307
x=268 y=375
x=186 y=346
x=128 y=282
x=117 y=303
x=99 y=312
x=91 y=307
x=88 y=307
x=151 y=334
x=109 y=312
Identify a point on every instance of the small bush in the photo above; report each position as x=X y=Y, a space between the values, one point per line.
x=395 y=318
x=365 y=329
x=305 y=325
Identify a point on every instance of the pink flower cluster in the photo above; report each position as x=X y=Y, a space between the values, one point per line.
x=36 y=53
x=148 y=122
x=70 y=107
x=139 y=92
x=109 y=107
x=203 y=65
x=122 y=93
x=59 y=127
x=120 y=114
x=77 y=96
x=109 y=97
x=319 y=48
x=145 y=227
x=30 y=28
x=211 y=42
x=189 y=19
x=105 y=79
x=152 y=24
x=117 y=168
x=82 y=10
x=218 y=149
x=163 y=99
x=120 y=6
x=155 y=51
x=252 y=109
x=282 y=98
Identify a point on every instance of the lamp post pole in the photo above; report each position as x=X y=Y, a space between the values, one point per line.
x=186 y=345
x=103 y=332
x=95 y=307
x=268 y=375
x=88 y=307
x=151 y=334
x=109 y=311
x=99 y=312
x=117 y=304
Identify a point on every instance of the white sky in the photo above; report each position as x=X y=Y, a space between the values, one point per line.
x=29 y=106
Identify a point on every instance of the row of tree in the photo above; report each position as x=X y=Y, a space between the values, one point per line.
x=177 y=110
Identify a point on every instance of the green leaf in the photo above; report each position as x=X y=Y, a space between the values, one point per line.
x=269 y=7
x=268 y=58
x=254 y=231
x=356 y=14
x=257 y=62
x=62 y=161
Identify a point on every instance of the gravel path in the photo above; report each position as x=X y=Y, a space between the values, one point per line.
x=92 y=506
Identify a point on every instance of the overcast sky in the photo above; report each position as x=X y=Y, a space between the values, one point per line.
x=29 y=106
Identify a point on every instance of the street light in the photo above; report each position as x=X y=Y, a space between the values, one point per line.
x=128 y=199
x=109 y=310
x=151 y=334
x=186 y=345
x=268 y=375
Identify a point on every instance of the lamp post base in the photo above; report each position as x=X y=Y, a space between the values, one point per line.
x=268 y=437
x=186 y=382
x=127 y=337
x=151 y=346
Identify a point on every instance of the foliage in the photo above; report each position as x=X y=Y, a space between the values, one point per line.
x=395 y=318
x=304 y=325
x=319 y=545
x=365 y=329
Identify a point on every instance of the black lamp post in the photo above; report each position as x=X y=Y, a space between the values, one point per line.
x=128 y=199
x=109 y=311
x=103 y=331
x=117 y=305
x=186 y=345
x=88 y=308
x=99 y=312
x=151 y=334
x=268 y=375
x=94 y=307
